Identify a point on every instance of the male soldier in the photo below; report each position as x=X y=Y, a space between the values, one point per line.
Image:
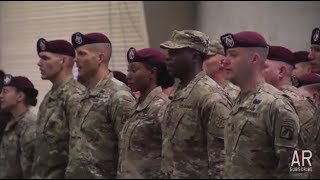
x=277 y=72
x=194 y=119
x=18 y=141
x=4 y=115
x=302 y=65
x=314 y=54
x=263 y=126
x=310 y=87
x=56 y=109
x=214 y=67
x=105 y=106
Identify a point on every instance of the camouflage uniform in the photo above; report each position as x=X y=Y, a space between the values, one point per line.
x=193 y=121
x=260 y=134
x=305 y=110
x=4 y=118
x=55 y=112
x=94 y=135
x=193 y=134
x=231 y=89
x=140 y=155
x=17 y=147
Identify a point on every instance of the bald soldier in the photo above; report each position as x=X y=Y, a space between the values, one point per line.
x=213 y=65
x=192 y=144
x=57 y=108
x=105 y=107
x=262 y=130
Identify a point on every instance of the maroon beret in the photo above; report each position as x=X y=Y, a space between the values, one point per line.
x=78 y=39
x=55 y=46
x=301 y=56
x=243 y=39
x=21 y=83
x=279 y=53
x=309 y=79
x=149 y=55
x=315 y=36
x=120 y=76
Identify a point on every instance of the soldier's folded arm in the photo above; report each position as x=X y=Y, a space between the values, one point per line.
x=285 y=131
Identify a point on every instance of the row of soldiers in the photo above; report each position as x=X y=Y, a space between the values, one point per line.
x=209 y=109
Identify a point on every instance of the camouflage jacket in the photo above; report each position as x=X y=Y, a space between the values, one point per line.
x=55 y=112
x=140 y=155
x=4 y=118
x=231 y=89
x=94 y=136
x=305 y=109
x=17 y=147
x=193 y=130
x=260 y=134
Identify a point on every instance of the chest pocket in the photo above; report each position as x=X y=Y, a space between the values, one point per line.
x=54 y=117
x=137 y=129
x=184 y=127
x=247 y=126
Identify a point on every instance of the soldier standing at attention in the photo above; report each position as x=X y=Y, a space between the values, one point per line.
x=4 y=115
x=302 y=65
x=105 y=107
x=263 y=127
x=140 y=155
x=192 y=144
x=314 y=54
x=214 y=67
x=18 y=142
x=277 y=72
x=56 y=109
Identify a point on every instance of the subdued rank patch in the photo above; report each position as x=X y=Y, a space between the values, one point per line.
x=256 y=101
x=220 y=123
x=286 y=132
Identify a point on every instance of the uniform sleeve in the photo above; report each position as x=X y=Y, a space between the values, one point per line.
x=217 y=111
x=122 y=105
x=285 y=134
x=27 y=145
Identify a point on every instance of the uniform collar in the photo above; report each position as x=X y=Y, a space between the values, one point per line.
x=144 y=104
x=184 y=92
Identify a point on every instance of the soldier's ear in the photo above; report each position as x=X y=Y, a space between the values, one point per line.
x=282 y=71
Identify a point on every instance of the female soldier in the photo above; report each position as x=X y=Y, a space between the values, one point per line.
x=17 y=145
x=140 y=153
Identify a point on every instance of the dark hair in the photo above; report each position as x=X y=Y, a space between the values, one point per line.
x=2 y=75
x=164 y=79
x=31 y=96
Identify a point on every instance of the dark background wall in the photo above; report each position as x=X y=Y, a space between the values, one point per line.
x=162 y=17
